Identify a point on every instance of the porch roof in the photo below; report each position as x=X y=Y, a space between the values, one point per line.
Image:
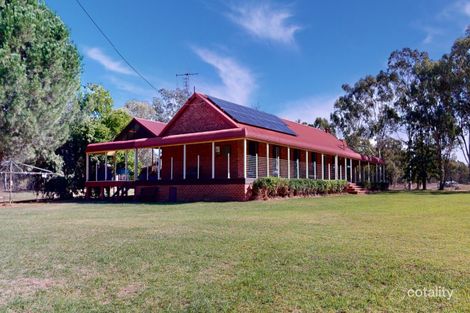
x=308 y=138
x=233 y=133
x=304 y=140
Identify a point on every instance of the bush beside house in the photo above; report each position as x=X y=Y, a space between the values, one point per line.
x=272 y=187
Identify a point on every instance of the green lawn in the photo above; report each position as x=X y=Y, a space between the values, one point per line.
x=334 y=254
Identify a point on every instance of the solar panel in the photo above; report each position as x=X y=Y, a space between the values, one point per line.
x=251 y=116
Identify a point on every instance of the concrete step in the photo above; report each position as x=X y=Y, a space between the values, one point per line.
x=355 y=189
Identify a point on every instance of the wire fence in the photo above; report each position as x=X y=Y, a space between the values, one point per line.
x=22 y=182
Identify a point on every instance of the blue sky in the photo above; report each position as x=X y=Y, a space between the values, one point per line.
x=288 y=58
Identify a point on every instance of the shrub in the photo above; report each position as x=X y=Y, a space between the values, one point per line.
x=270 y=187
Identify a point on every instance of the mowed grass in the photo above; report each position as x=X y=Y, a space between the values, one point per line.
x=332 y=254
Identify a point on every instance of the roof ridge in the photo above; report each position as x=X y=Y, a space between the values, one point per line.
x=148 y=120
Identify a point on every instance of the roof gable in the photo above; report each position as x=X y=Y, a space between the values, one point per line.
x=198 y=115
x=140 y=128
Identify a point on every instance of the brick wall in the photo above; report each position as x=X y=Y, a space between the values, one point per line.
x=203 y=192
x=205 y=158
x=197 y=117
x=177 y=153
x=204 y=150
x=236 y=159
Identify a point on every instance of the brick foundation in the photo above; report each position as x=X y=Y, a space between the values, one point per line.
x=194 y=192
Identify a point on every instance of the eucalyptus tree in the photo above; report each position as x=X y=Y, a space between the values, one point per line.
x=405 y=87
x=459 y=77
x=168 y=102
x=436 y=113
x=394 y=154
x=363 y=113
x=323 y=124
x=422 y=102
x=411 y=99
x=424 y=108
x=140 y=109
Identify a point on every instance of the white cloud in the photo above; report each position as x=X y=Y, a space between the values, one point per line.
x=265 y=22
x=466 y=8
x=309 y=108
x=431 y=33
x=111 y=65
x=238 y=82
x=454 y=9
x=128 y=87
x=439 y=27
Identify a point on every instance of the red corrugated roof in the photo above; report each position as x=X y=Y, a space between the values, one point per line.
x=308 y=138
x=153 y=126
x=222 y=134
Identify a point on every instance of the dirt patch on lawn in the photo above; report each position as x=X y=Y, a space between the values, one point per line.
x=130 y=291
x=222 y=271
x=24 y=287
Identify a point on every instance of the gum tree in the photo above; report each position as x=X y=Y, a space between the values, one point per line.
x=459 y=76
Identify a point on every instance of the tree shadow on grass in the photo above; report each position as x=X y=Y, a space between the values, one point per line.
x=425 y=192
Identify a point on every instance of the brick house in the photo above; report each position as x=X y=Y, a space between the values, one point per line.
x=213 y=150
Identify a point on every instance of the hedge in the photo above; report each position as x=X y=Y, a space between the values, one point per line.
x=270 y=187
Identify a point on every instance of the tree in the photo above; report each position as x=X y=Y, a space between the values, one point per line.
x=394 y=156
x=95 y=101
x=363 y=112
x=140 y=109
x=323 y=124
x=436 y=114
x=458 y=171
x=421 y=99
x=96 y=121
x=404 y=87
x=412 y=97
x=361 y=145
x=168 y=103
x=459 y=76
x=115 y=121
x=39 y=78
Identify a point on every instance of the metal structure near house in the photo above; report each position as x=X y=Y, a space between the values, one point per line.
x=19 y=176
x=186 y=77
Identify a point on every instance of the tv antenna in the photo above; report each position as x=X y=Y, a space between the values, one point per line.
x=186 y=77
